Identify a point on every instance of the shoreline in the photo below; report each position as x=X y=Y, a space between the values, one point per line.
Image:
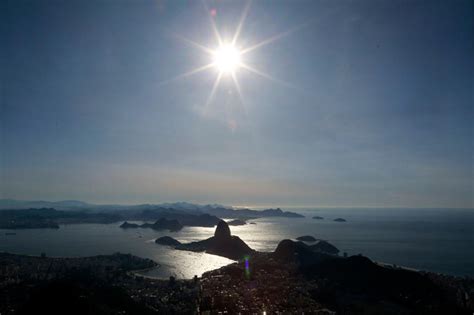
x=159 y=265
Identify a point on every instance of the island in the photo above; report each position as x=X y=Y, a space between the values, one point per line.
x=237 y=222
x=340 y=220
x=317 y=217
x=160 y=224
x=186 y=219
x=127 y=225
x=222 y=244
x=167 y=241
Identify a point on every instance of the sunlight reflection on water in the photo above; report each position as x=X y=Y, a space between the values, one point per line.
x=436 y=240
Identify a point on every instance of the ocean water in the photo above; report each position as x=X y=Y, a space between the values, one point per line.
x=439 y=240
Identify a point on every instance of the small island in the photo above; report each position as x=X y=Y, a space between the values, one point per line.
x=340 y=220
x=167 y=241
x=317 y=217
x=127 y=225
x=160 y=224
x=237 y=222
x=222 y=244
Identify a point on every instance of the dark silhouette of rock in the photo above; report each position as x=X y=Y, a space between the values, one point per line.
x=221 y=244
x=306 y=238
x=167 y=240
x=186 y=219
x=297 y=252
x=325 y=247
x=237 y=222
x=340 y=220
x=222 y=230
x=280 y=213
x=300 y=253
x=160 y=224
x=357 y=280
x=249 y=213
x=127 y=225
x=164 y=224
x=317 y=217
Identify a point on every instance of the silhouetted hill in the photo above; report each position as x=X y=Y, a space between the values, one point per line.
x=167 y=240
x=160 y=224
x=50 y=218
x=301 y=253
x=197 y=219
x=249 y=214
x=324 y=247
x=221 y=244
x=358 y=282
x=13 y=204
x=298 y=280
x=140 y=211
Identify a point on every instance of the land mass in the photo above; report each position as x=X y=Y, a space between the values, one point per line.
x=79 y=212
x=160 y=224
x=103 y=284
x=293 y=279
x=221 y=244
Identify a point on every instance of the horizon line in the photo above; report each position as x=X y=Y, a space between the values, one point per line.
x=243 y=206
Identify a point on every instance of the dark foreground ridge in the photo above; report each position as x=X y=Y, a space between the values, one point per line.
x=294 y=279
x=89 y=285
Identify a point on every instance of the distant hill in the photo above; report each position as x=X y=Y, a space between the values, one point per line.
x=217 y=210
x=12 y=204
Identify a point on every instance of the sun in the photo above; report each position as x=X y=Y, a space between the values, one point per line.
x=227 y=58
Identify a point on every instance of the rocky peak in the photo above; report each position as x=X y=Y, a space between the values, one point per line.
x=222 y=230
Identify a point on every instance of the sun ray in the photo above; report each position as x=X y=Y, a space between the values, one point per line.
x=266 y=76
x=273 y=38
x=193 y=43
x=213 y=23
x=213 y=91
x=226 y=56
x=241 y=22
x=188 y=74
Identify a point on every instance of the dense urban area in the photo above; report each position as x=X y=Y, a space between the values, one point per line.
x=263 y=283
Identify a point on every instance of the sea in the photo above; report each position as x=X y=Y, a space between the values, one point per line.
x=437 y=240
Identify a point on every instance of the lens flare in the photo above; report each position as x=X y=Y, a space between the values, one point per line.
x=247 y=267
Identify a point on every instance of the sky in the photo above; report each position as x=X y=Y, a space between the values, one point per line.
x=358 y=103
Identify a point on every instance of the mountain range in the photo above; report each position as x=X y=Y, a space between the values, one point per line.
x=217 y=210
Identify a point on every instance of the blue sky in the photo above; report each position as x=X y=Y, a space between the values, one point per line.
x=371 y=103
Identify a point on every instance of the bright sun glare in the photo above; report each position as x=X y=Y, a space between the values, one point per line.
x=227 y=58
